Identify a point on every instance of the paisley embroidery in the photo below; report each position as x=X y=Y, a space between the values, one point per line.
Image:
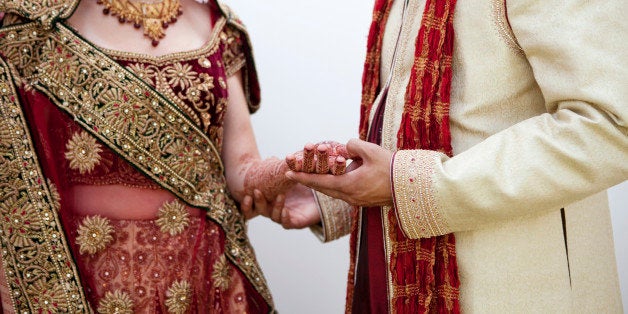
x=94 y=234
x=173 y=218
x=117 y=302
x=83 y=152
x=178 y=297
x=221 y=275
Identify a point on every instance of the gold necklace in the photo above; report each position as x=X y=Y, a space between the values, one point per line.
x=153 y=16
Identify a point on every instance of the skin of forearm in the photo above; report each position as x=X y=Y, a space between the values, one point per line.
x=267 y=176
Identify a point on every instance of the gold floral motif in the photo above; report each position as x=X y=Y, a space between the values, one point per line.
x=178 y=297
x=173 y=218
x=55 y=196
x=94 y=234
x=50 y=297
x=183 y=157
x=181 y=75
x=123 y=113
x=117 y=302
x=221 y=274
x=83 y=152
x=21 y=220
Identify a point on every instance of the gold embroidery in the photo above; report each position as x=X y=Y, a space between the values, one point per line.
x=42 y=11
x=55 y=197
x=173 y=218
x=503 y=26
x=233 y=56
x=145 y=148
x=196 y=88
x=94 y=234
x=21 y=221
x=204 y=62
x=181 y=75
x=415 y=203
x=221 y=275
x=117 y=302
x=178 y=297
x=50 y=297
x=336 y=216
x=41 y=252
x=83 y=152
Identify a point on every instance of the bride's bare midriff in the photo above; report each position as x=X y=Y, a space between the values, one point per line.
x=121 y=202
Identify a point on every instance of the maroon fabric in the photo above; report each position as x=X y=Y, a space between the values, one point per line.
x=371 y=292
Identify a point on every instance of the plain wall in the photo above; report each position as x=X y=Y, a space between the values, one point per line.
x=309 y=57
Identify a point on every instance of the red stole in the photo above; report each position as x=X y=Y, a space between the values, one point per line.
x=423 y=271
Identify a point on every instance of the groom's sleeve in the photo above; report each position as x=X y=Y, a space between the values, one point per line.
x=337 y=218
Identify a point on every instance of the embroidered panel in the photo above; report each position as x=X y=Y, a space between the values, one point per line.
x=38 y=266
x=45 y=12
x=337 y=217
x=129 y=117
x=415 y=203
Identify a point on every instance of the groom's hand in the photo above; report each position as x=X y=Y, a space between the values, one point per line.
x=366 y=182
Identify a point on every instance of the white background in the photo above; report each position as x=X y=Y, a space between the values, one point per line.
x=309 y=57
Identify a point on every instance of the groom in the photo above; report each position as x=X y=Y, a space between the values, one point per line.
x=489 y=132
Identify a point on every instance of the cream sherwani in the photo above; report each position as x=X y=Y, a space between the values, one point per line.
x=539 y=122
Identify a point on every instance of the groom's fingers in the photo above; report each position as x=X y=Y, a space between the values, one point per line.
x=320 y=182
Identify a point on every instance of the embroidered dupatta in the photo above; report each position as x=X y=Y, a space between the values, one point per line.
x=75 y=76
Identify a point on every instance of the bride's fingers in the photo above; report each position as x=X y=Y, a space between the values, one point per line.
x=246 y=206
x=291 y=160
x=322 y=159
x=340 y=166
x=277 y=208
x=308 y=158
x=261 y=206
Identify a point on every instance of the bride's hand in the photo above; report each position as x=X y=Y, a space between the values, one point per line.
x=295 y=210
x=322 y=158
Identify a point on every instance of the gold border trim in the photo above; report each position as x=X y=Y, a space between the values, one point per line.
x=336 y=217
x=500 y=19
x=31 y=188
x=44 y=12
x=414 y=200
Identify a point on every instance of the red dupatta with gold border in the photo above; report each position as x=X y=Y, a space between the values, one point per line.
x=422 y=273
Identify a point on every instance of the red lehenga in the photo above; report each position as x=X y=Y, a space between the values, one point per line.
x=105 y=123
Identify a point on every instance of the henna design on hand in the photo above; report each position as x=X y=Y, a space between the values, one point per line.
x=326 y=157
x=268 y=176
